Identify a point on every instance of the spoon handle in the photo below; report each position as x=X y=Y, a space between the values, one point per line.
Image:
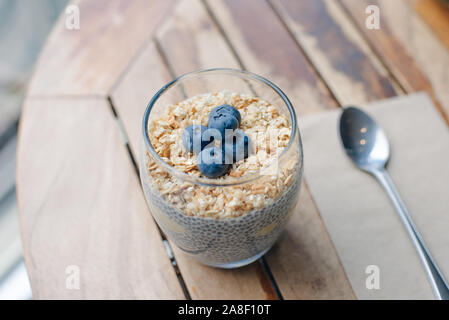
x=439 y=284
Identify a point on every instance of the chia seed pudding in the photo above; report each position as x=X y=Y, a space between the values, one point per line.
x=231 y=220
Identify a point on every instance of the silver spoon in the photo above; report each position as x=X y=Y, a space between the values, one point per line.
x=367 y=145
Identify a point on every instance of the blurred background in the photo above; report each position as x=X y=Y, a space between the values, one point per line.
x=24 y=26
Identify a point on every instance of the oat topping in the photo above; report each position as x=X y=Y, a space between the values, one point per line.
x=267 y=128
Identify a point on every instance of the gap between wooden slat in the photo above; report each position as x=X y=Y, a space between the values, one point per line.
x=395 y=81
x=65 y=96
x=166 y=244
x=223 y=34
x=391 y=75
x=267 y=270
x=319 y=78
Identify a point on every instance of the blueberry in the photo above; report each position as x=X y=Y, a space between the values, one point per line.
x=223 y=122
x=226 y=108
x=237 y=146
x=212 y=164
x=192 y=138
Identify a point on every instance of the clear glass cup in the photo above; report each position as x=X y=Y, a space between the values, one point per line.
x=236 y=241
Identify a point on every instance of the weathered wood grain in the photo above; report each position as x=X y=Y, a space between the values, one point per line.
x=304 y=262
x=265 y=47
x=336 y=50
x=409 y=49
x=81 y=205
x=436 y=15
x=88 y=61
x=190 y=40
x=147 y=75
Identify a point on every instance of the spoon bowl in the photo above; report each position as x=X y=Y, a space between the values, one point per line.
x=364 y=141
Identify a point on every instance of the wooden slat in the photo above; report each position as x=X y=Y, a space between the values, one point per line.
x=134 y=91
x=336 y=49
x=265 y=47
x=410 y=50
x=89 y=60
x=304 y=262
x=81 y=204
x=436 y=15
x=130 y=98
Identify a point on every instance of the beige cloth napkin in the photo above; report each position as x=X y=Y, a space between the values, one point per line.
x=357 y=212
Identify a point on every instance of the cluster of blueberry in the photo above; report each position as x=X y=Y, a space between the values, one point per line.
x=234 y=145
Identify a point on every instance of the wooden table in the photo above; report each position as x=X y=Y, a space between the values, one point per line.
x=82 y=209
